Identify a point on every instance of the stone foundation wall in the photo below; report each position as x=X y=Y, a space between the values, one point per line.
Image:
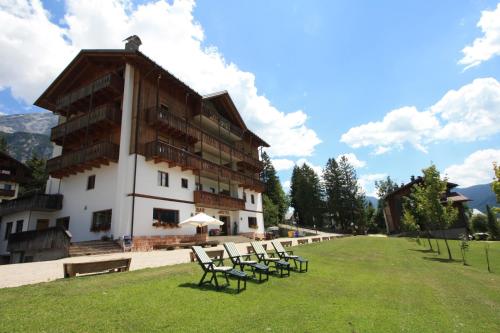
x=147 y=243
x=252 y=235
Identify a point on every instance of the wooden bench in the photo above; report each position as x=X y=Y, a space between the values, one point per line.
x=117 y=265
x=286 y=243
x=217 y=256
x=303 y=241
x=325 y=238
x=316 y=240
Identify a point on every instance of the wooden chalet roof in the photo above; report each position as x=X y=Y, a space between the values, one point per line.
x=22 y=174
x=223 y=99
x=86 y=58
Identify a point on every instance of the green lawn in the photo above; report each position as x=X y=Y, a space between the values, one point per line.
x=357 y=284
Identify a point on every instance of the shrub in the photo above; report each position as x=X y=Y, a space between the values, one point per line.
x=480 y=223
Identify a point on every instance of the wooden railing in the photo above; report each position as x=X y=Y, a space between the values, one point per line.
x=221 y=121
x=163 y=152
x=103 y=113
x=166 y=119
x=7 y=193
x=111 y=82
x=92 y=156
x=218 y=201
x=39 y=202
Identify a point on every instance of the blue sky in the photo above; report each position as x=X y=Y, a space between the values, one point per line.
x=344 y=65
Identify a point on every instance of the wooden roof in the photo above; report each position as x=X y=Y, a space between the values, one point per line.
x=86 y=58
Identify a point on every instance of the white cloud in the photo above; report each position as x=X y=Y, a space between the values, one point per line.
x=353 y=160
x=171 y=36
x=467 y=114
x=282 y=164
x=318 y=169
x=286 y=185
x=488 y=45
x=367 y=183
x=477 y=168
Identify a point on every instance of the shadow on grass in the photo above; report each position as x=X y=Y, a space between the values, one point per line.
x=442 y=260
x=423 y=251
x=206 y=287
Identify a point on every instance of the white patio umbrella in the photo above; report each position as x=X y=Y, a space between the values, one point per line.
x=201 y=220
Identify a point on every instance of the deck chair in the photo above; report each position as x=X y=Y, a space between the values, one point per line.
x=286 y=256
x=209 y=267
x=243 y=260
x=279 y=265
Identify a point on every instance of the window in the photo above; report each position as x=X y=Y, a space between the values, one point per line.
x=244 y=196
x=252 y=222
x=7 y=186
x=252 y=198
x=63 y=222
x=199 y=187
x=8 y=229
x=42 y=224
x=165 y=217
x=101 y=221
x=19 y=226
x=162 y=179
x=91 y=182
x=212 y=189
x=184 y=183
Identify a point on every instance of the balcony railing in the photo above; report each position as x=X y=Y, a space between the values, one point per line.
x=110 y=83
x=218 y=201
x=83 y=159
x=173 y=124
x=7 y=193
x=103 y=115
x=35 y=202
x=163 y=152
x=221 y=121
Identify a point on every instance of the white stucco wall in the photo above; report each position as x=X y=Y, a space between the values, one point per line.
x=79 y=203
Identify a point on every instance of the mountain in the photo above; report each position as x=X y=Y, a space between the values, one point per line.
x=481 y=195
x=28 y=134
x=38 y=123
x=373 y=200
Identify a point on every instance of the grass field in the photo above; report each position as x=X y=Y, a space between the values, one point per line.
x=357 y=284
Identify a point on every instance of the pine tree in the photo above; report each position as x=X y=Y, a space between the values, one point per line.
x=493 y=227
x=332 y=184
x=306 y=196
x=273 y=189
x=39 y=175
x=271 y=212
x=4 y=148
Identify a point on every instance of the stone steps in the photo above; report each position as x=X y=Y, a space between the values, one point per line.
x=93 y=247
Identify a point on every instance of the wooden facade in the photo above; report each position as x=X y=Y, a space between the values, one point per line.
x=393 y=208
x=171 y=123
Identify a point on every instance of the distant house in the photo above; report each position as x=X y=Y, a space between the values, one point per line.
x=393 y=209
x=12 y=174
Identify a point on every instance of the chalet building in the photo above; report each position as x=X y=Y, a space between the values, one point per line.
x=137 y=151
x=12 y=174
x=393 y=209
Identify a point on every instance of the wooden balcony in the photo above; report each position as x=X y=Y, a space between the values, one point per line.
x=217 y=201
x=35 y=202
x=176 y=126
x=84 y=159
x=172 y=124
x=7 y=193
x=163 y=152
x=104 y=88
x=99 y=119
x=222 y=122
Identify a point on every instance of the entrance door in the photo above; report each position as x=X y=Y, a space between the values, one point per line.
x=226 y=228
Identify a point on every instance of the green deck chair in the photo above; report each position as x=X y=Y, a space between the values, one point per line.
x=243 y=260
x=209 y=267
x=279 y=265
x=286 y=256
